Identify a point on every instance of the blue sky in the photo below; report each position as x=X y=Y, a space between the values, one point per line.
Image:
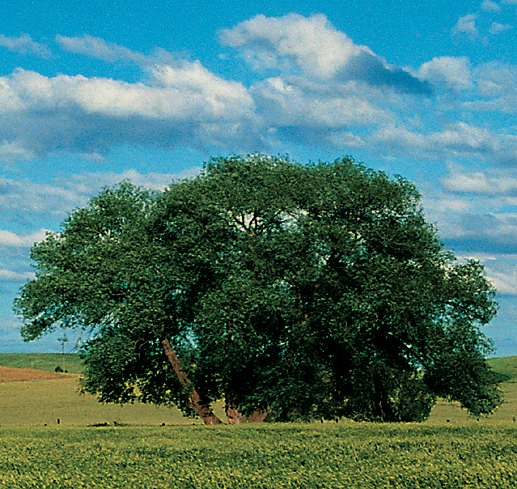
x=92 y=93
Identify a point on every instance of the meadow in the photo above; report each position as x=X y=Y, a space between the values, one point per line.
x=266 y=456
x=146 y=447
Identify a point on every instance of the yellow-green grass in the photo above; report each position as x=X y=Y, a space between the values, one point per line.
x=44 y=402
x=306 y=456
x=40 y=402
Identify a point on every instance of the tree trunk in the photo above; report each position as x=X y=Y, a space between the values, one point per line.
x=200 y=407
x=258 y=417
x=234 y=416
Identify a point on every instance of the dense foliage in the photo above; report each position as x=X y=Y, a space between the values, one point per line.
x=295 y=291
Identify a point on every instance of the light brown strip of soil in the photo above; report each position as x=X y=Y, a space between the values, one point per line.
x=8 y=374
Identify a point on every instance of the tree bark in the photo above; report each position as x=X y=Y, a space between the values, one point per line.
x=258 y=417
x=234 y=416
x=200 y=407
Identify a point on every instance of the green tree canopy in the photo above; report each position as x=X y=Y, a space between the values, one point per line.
x=292 y=291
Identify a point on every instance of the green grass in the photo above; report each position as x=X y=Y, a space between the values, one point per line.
x=42 y=361
x=267 y=456
x=506 y=367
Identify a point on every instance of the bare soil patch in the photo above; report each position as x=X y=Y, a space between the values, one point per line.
x=8 y=374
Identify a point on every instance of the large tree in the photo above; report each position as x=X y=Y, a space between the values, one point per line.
x=292 y=291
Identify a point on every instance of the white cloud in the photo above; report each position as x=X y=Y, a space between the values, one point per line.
x=184 y=103
x=25 y=45
x=328 y=91
x=10 y=276
x=10 y=239
x=497 y=28
x=490 y=182
x=14 y=151
x=496 y=84
x=497 y=79
x=500 y=269
x=463 y=138
x=505 y=281
x=311 y=43
x=476 y=227
x=490 y=6
x=87 y=184
x=35 y=200
x=466 y=25
x=318 y=49
x=294 y=102
x=453 y=72
x=98 y=48
x=173 y=93
x=28 y=202
x=456 y=140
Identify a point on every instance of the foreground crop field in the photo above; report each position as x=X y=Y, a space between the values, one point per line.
x=268 y=456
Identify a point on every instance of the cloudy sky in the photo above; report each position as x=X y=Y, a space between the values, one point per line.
x=94 y=92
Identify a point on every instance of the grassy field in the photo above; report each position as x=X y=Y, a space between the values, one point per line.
x=52 y=437
x=42 y=361
x=38 y=402
x=307 y=456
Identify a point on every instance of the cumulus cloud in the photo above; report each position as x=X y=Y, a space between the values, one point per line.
x=497 y=28
x=490 y=6
x=281 y=42
x=10 y=239
x=501 y=270
x=25 y=45
x=476 y=215
x=466 y=26
x=178 y=104
x=296 y=103
x=335 y=85
x=26 y=200
x=489 y=182
x=489 y=232
x=453 y=72
x=316 y=87
x=474 y=230
x=497 y=78
x=313 y=46
x=480 y=25
x=456 y=140
x=496 y=85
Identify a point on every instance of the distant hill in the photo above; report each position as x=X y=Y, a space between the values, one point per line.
x=506 y=367
x=48 y=362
